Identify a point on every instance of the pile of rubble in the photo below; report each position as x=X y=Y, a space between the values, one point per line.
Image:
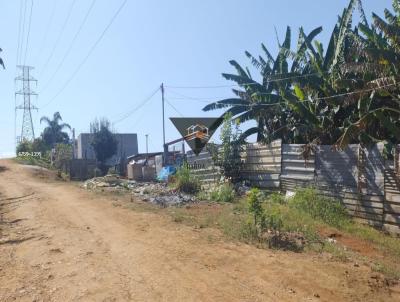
x=154 y=192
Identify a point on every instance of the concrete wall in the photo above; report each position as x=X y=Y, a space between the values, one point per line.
x=127 y=146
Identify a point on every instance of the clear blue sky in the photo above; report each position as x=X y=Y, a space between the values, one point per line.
x=178 y=42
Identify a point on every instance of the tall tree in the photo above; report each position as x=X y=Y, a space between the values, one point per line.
x=346 y=94
x=104 y=142
x=53 y=133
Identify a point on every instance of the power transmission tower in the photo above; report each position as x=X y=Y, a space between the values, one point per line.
x=27 y=131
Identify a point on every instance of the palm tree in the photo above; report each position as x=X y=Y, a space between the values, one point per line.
x=53 y=133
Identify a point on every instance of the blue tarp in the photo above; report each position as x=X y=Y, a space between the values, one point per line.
x=165 y=173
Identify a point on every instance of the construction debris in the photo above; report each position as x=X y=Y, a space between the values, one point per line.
x=154 y=192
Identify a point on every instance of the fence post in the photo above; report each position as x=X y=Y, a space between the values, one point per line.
x=361 y=184
x=396 y=161
x=315 y=168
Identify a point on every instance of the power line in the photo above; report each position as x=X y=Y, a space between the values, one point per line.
x=248 y=84
x=129 y=113
x=173 y=107
x=88 y=54
x=355 y=92
x=29 y=31
x=186 y=97
x=70 y=46
x=19 y=31
x=23 y=33
x=60 y=35
x=196 y=100
x=46 y=34
x=327 y=97
x=140 y=118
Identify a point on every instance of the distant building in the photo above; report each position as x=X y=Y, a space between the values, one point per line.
x=127 y=146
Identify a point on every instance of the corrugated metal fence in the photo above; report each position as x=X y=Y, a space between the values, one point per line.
x=262 y=165
x=359 y=177
x=203 y=167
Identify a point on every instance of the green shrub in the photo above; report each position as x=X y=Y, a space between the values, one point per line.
x=256 y=209
x=281 y=217
x=24 y=146
x=185 y=181
x=273 y=218
x=328 y=210
x=227 y=155
x=276 y=198
x=63 y=153
x=37 y=145
x=223 y=193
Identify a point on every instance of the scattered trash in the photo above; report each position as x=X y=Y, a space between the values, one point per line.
x=154 y=192
x=165 y=173
x=242 y=189
x=172 y=199
x=331 y=240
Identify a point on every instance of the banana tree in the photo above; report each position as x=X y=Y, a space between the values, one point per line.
x=346 y=94
x=376 y=60
x=263 y=102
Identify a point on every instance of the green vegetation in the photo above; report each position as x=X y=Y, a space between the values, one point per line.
x=345 y=92
x=34 y=161
x=256 y=209
x=53 y=134
x=327 y=210
x=62 y=154
x=227 y=156
x=272 y=221
x=223 y=193
x=185 y=182
x=39 y=151
x=104 y=142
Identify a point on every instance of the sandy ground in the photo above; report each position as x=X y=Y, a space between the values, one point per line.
x=61 y=243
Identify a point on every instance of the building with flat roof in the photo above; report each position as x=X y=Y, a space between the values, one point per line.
x=127 y=146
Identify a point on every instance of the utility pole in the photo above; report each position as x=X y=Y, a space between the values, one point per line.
x=73 y=144
x=163 y=121
x=147 y=144
x=163 y=112
x=27 y=131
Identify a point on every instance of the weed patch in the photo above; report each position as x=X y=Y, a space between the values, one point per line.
x=33 y=161
x=327 y=210
x=185 y=182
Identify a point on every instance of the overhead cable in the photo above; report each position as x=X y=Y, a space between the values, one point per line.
x=29 y=32
x=60 y=35
x=70 y=46
x=88 y=54
x=141 y=104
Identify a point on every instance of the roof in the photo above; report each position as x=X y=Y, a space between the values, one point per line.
x=144 y=155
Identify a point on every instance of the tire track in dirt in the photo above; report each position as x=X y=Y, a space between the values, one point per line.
x=82 y=248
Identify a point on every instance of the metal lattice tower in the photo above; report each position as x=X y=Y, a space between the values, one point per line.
x=27 y=131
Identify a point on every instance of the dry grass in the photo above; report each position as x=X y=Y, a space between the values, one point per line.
x=232 y=220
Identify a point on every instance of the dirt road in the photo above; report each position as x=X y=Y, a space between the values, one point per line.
x=61 y=243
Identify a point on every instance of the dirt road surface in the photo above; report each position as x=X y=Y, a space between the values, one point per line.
x=61 y=243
